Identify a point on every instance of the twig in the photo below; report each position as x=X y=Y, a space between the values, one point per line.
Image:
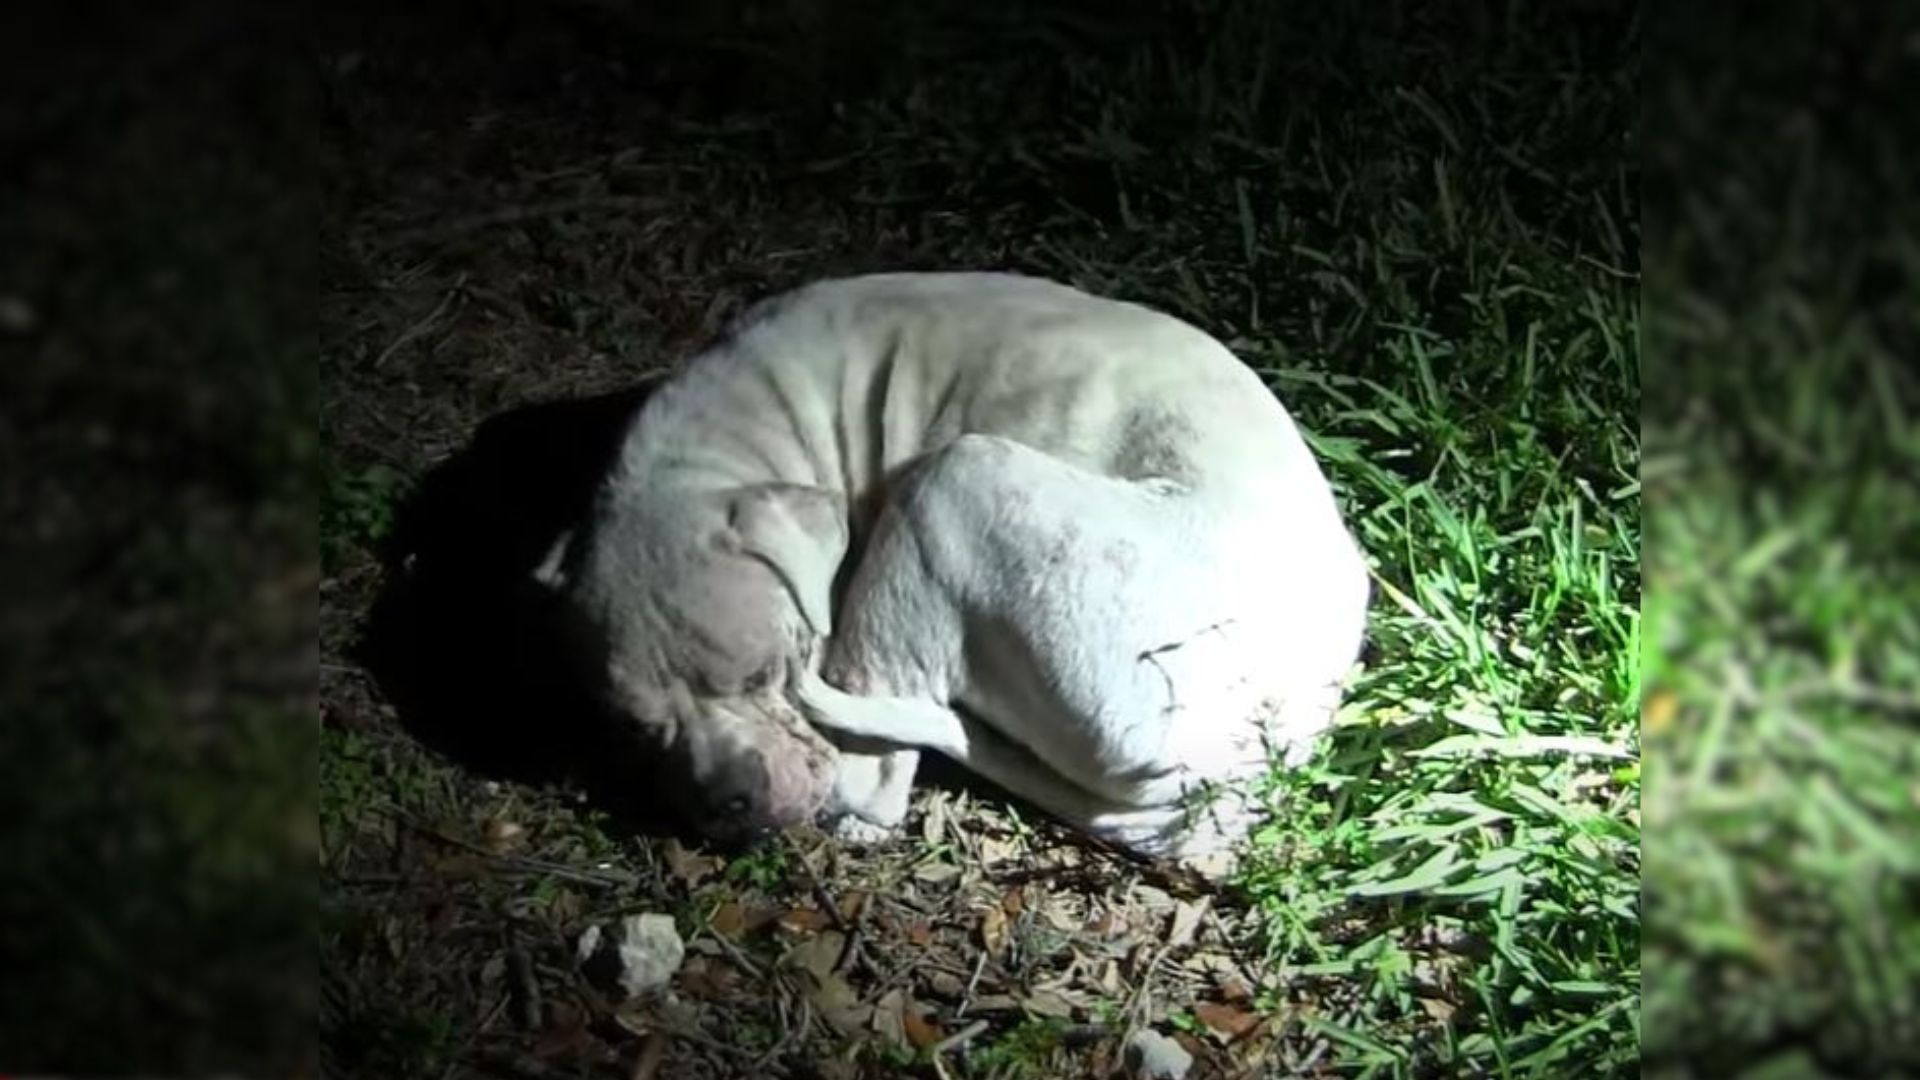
x=966 y=999
x=740 y=959
x=959 y=1038
x=779 y=1044
x=1138 y=1001
x=538 y=866
x=421 y=327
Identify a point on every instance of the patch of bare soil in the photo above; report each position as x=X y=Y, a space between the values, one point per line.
x=528 y=214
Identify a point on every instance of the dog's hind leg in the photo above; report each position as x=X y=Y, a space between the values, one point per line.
x=1082 y=618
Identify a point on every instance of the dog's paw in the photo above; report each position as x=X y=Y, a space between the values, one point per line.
x=851 y=829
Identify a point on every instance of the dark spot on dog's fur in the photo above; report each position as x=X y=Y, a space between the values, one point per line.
x=1150 y=447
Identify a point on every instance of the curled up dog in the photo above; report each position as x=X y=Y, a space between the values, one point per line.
x=1071 y=543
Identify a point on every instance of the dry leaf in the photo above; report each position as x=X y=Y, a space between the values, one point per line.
x=933 y=826
x=889 y=1019
x=1108 y=924
x=1048 y=1003
x=728 y=920
x=919 y=933
x=944 y=985
x=819 y=954
x=690 y=867
x=839 y=1005
x=703 y=977
x=852 y=903
x=504 y=836
x=1226 y=1020
x=1438 y=1008
x=1186 y=921
x=1015 y=900
x=805 y=921
x=1110 y=984
x=933 y=873
x=1235 y=989
x=635 y=1019
x=994 y=850
x=993 y=930
x=920 y=1031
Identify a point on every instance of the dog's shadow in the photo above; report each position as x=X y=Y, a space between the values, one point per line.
x=465 y=644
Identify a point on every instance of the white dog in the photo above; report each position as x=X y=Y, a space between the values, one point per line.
x=1072 y=543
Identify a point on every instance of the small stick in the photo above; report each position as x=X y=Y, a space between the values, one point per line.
x=419 y=328
x=966 y=999
x=959 y=1038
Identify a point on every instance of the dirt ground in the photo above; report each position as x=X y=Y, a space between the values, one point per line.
x=529 y=210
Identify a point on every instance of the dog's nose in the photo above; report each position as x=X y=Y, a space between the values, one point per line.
x=736 y=794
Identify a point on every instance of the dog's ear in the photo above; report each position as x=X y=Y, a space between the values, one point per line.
x=551 y=573
x=798 y=531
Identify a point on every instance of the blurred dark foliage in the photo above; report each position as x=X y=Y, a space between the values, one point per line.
x=1783 y=270
x=156 y=542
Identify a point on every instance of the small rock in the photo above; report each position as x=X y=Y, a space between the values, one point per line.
x=637 y=955
x=1153 y=1056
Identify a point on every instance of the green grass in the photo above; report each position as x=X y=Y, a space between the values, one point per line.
x=1438 y=274
x=1782 y=652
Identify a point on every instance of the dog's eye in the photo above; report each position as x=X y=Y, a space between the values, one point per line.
x=761 y=679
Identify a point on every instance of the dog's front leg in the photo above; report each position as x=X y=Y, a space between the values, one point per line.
x=902 y=721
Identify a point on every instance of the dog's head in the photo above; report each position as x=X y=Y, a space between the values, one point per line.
x=692 y=608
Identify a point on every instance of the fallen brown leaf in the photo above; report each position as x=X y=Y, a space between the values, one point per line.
x=1438 y=1008
x=690 y=867
x=920 y=1031
x=805 y=920
x=1235 y=990
x=852 y=903
x=993 y=930
x=1048 y=1003
x=920 y=933
x=503 y=836
x=1015 y=900
x=1226 y=1020
x=819 y=954
x=839 y=1005
x=943 y=984
x=889 y=1017
x=728 y=920
x=704 y=977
